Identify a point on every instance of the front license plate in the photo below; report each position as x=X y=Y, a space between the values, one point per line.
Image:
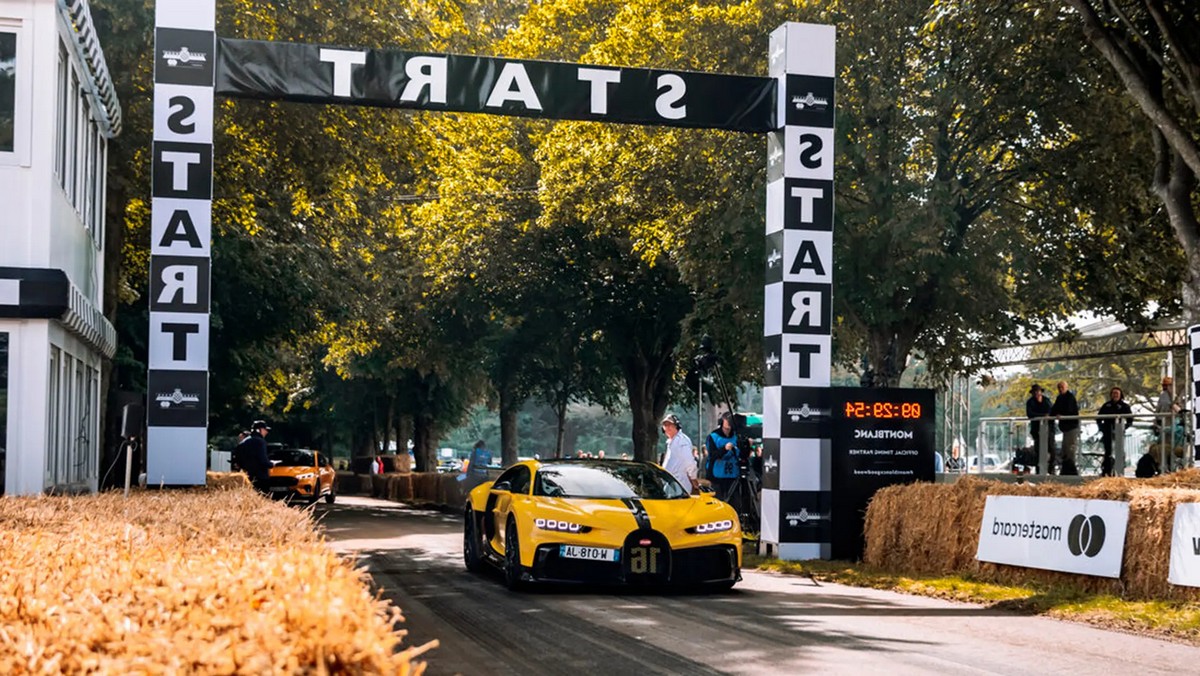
x=589 y=553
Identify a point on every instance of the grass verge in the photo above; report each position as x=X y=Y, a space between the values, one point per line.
x=1174 y=620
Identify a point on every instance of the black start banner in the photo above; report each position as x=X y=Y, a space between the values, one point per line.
x=474 y=84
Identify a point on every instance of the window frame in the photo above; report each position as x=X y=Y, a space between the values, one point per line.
x=22 y=93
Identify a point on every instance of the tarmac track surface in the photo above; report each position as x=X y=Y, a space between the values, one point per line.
x=769 y=624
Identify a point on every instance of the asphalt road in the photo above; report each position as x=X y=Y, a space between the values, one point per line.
x=769 y=624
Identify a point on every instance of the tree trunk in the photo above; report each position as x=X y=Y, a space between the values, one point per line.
x=560 y=427
x=390 y=405
x=647 y=385
x=1174 y=184
x=425 y=440
x=404 y=432
x=509 y=442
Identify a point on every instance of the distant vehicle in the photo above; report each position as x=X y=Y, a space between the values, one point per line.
x=449 y=466
x=991 y=463
x=301 y=473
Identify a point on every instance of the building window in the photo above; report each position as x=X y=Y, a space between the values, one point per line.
x=60 y=139
x=8 y=91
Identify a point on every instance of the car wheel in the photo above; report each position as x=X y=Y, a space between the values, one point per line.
x=512 y=558
x=471 y=556
x=330 y=497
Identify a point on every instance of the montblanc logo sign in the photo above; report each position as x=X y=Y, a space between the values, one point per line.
x=1064 y=534
x=1085 y=537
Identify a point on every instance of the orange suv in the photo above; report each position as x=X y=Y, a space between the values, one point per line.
x=301 y=473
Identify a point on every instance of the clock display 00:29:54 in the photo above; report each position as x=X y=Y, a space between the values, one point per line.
x=907 y=410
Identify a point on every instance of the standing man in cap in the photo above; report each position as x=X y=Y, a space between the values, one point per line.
x=1038 y=406
x=1116 y=405
x=254 y=454
x=678 y=459
x=1065 y=404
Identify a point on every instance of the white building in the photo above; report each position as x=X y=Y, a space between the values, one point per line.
x=58 y=110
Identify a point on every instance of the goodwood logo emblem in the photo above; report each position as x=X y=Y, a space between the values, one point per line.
x=797 y=413
x=796 y=518
x=183 y=56
x=772 y=362
x=1085 y=536
x=769 y=464
x=176 y=398
x=810 y=100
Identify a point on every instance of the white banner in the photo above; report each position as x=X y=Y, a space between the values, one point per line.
x=1064 y=534
x=1185 y=546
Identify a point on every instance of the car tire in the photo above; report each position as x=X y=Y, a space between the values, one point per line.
x=512 y=558
x=471 y=558
x=330 y=497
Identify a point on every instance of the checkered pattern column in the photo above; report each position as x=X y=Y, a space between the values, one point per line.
x=1194 y=341
x=181 y=225
x=796 y=497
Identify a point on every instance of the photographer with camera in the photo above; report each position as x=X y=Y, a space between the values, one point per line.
x=726 y=455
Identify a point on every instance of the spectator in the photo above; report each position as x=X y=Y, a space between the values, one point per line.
x=725 y=453
x=1038 y=406
x=253 y=456
x=1115 y=405
x=600 y=454
x=477 y=466
x=939 y=465
x=678 y=460
x=1065 y=404
x=956 y=463
x=1147 y=465
x=1166 y=409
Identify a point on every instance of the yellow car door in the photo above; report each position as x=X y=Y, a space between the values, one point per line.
x=512 y=485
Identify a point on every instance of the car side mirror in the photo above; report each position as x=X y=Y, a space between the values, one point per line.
x=706 y=489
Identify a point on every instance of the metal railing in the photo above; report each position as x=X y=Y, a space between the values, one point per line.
x=1003 y=442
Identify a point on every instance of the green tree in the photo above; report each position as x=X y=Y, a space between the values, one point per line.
x=1153 y=47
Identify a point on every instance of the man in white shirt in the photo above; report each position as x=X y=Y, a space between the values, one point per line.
x=678 y=459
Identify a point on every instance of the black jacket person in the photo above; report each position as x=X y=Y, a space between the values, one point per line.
x=1038 y=406
x=1114 y=406
x=253 y=455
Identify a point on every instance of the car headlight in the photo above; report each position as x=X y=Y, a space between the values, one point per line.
x=711 y=527
x=306 y=475
x=560 y=526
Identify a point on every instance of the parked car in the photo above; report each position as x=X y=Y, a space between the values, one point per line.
x=991 y=463
x=298 y=473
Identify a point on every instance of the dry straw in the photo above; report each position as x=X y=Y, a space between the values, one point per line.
x=215 y=580
x=934 y=529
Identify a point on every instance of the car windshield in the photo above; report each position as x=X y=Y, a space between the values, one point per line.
x=607 y=480
x=292 y=457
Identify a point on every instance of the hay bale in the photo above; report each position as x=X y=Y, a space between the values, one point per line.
x=933 y=529
x=226 y=480
x=183 y=581
x=425 y=486
x=400 y=487
x=379 y=485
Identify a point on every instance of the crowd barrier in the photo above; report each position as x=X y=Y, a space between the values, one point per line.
x=934 y=529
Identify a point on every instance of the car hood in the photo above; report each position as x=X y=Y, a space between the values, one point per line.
x=664 y=514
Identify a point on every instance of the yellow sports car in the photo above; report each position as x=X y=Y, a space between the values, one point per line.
x=600 y=521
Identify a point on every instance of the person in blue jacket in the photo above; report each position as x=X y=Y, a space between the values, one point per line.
x=725 y=456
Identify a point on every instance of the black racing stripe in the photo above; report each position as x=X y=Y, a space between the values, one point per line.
x=639 y=512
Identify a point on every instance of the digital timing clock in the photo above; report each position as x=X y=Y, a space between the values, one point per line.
x=883 y=410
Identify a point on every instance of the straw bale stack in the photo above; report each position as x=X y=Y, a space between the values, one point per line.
x=425 y=486
x=190 y=581
x=934 y=529
x=379 y=485
x=227 y=480
x=400 y=487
